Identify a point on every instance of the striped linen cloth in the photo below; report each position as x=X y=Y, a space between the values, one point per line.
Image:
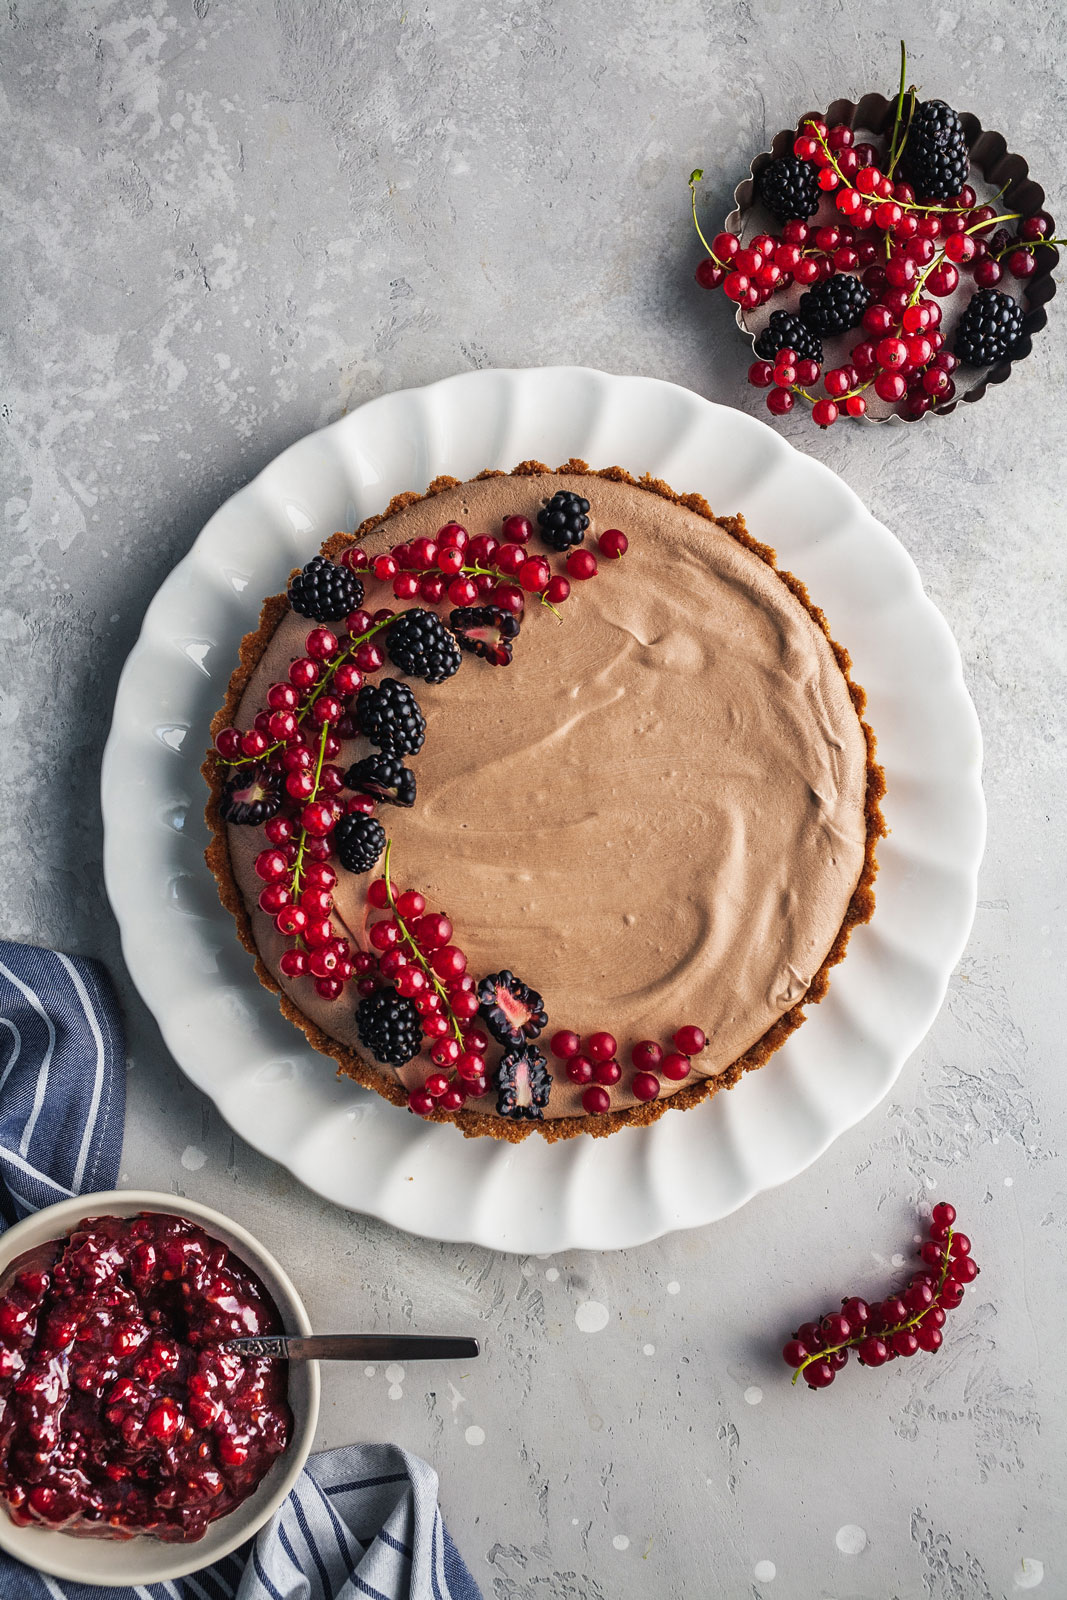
x=363 y=1521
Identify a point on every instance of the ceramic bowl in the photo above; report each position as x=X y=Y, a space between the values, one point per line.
x=144 y=1560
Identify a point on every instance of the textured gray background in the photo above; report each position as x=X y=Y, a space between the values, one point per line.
x=227 y=223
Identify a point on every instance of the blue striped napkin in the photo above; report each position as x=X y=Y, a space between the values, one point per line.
x=362 y=1521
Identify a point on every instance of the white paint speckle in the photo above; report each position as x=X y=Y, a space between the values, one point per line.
x=474 y=1434
x=368 y=1372
x=673 y=1287
x=1008 y=1182
x=193 y=1158
x=621 y=1542
x=552 y=1275
x=896 y=1260
x=527 y=1269
x=591 y=1316
x=850 y=1539
x=753 y=1394
x=931 y=1183
x=574 y=1522
x=650 y=1349
x=765 y=1572
x=395 y=1377
x=1030 y=1573
x=456 y=1399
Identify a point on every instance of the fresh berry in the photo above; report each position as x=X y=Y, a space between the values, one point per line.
x=934 y=158
x=989 y=329
x=563 y=520
x=250 y=798
x=645 y=1085
x=786 y=332
x=325 y=592
x=486 y=631
x=389 y=717
x=581 y=564
x=596 y=1101
x=419 y=644
x=565 y=1044
x=523 y=1085
x=613 y=543
x=511 y=1011
x=835 y=305
x=358 y=842
x=789 y=188
x=385 y=777
x=389 y=1027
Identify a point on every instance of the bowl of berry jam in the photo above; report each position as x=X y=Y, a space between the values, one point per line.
x=134 y=1446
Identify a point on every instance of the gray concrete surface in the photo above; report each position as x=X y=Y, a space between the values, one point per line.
x=225 y=222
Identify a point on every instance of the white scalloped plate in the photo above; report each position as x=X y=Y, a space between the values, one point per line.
x=226 y=1032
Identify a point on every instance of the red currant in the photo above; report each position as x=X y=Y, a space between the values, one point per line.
x=565 y=1044
x=675 y=1066
x=613 y=543
x=581 y=564
x=596 y=1101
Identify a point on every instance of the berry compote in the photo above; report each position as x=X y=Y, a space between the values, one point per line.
x=119 y=1412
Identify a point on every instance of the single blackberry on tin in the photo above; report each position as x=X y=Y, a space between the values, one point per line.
x=934 y=158
x=835 y=305
x=388 y=715
x=789 y=188
x=563 y=520
x=523 y=1085
x=250 y=798
x=486 y=631
x=385 y=777
x=358 y=842
x=389 y=1027
x=325 y=592
x=510 y=1009
x=420 y=645
x=989 y=329
x=786 y=332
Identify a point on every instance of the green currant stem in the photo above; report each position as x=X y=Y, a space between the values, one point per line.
x=323 y=683
x=1027 y=244
x=886 y=1333
x=409 y=940
x=894 y=152
x=298 y=864
x=694 y=179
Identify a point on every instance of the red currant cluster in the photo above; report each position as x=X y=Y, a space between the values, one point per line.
x=414 y=952
x=461 y=570
x=292 y=741
x=900 y=1326
x=908 y=254
x=593 y=1062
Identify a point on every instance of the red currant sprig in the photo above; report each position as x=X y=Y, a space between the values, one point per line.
x=298 y=883
x=418 y=956
x=592 y=1064
x=900 y=1326
x=319 y=682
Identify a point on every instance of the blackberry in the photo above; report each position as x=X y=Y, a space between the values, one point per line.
x=989 y=329
x=523 y=1085
x=935 y=159
x=389 y=1027
x=358 y=841
x=789 y=188
x=563 y=520
x=250 y=798
x=385 y=777
x=325 y=592
x=786 y=332
x=389 y=716
x=835 y=305
x=420 y=645
x=511 y=1011
x=487 y=631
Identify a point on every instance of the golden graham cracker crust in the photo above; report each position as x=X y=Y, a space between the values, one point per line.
x=477 y=1123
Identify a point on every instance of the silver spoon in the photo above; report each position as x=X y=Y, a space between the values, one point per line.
x=357 y=1347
